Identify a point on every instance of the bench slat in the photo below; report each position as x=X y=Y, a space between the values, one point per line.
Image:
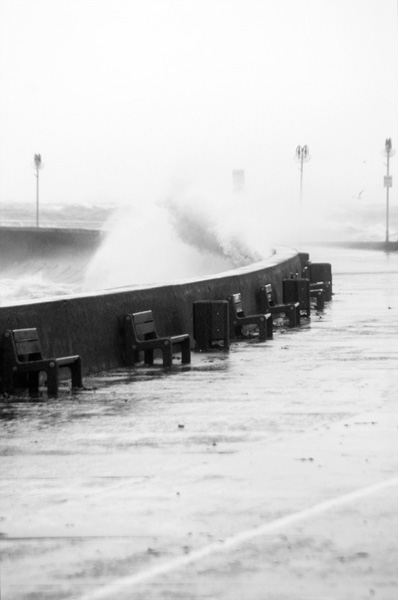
x=145 y=328
x=67 y=360
x=143 y=317
x=28 y=347
x=25 y=334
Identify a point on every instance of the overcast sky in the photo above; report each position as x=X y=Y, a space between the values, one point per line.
x=128 y=100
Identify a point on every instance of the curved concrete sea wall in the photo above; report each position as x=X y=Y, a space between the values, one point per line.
x=90 y=325
x=18 y=242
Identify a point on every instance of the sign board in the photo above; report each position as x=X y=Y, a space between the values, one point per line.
x=387 y=180
x=238 y=176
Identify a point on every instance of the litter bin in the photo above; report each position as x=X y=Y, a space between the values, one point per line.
x=210 y=323
x=297 y=290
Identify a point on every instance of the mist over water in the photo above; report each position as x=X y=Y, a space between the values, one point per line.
x=188 y=231
x=35 y=286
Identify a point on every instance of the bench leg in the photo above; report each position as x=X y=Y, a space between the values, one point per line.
x=319 y=297
x=320 y=301
x=270 y=327
x=8 y=376
x=167 y=354
x=186 y=352
x=237 y=332
x=33 y=383
x=328 y=292
x=226 y=339
x=131 y=356
x=262 y=329
x=148 y=357
x=76 y=373
x=52 y=379
x=292 y=315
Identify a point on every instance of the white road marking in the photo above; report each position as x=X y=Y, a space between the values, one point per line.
x=130 y=581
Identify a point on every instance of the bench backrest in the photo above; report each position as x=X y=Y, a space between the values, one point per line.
x=269 y=294
x=236 y=300
x=144 y=325
x=26 y=344
x=320 y=272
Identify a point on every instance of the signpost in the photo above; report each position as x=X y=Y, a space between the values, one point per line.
x=302 y=155
x=387 y=181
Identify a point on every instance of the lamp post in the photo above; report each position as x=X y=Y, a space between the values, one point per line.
x=38 y=165
x=388 y=183
x=302 y=155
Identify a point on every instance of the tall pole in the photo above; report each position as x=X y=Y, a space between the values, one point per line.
x=301 y=181
x=388 y=202
x=388 y=152
x=37 y=197
x=38 y=166
x=302 y=155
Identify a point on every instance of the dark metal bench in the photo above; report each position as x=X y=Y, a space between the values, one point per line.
x=140 y=335
x=269 y=303
x=22 y=355
x=320 y=275
x=238 y=320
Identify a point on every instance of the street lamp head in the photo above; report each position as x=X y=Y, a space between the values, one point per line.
x=302 y=153
x=388 y=149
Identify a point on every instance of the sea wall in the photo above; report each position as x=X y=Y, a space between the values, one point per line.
x=20 y=242
x=90 y=325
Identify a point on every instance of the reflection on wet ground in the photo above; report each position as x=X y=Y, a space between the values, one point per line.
x=147 y=467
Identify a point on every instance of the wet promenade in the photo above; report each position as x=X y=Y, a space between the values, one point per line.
x=269 y=472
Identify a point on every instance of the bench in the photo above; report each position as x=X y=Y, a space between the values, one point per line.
x=319 y=290
x=140 y=336
x=269 y=304
x=325 y=286
x=238 y=319
x=320 y=275
x=22 y=355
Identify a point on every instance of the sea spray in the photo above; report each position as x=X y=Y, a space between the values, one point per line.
x=183 y=235
x=31 y=287
x=201 y=230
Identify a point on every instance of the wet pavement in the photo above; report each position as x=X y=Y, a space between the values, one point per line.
x=266 y=472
